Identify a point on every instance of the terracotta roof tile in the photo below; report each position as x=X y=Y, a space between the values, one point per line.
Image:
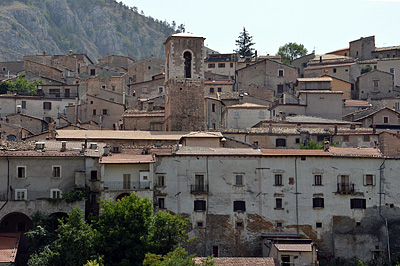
x=294 y=152
x=355 y=152
x=9 y=243
x=327 y=79
x=294 y=247
x=241 y=261
x=356 y=103
x=123 y=134
x=217 y=151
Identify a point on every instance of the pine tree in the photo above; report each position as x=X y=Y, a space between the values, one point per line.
x=244 y=44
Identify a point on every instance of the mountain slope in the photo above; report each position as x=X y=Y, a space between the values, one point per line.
x=94 y=27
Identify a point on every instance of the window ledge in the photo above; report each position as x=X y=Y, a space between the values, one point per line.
x=317 y=185
x=279 y=208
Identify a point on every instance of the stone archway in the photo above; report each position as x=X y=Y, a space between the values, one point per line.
x=15 y=222
x=120 y=196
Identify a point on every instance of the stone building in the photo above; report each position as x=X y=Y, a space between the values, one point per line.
x=267 y=73
x=376 y=85
x=184 y=83
x=362 y=48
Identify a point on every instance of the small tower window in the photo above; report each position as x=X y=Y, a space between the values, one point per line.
x=188 y=64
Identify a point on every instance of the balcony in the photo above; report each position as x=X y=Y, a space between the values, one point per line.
x=120 y=185
x=198 y=189
x=345 y=188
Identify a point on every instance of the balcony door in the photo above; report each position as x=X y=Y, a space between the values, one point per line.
x=199 y=182
x=127 y=181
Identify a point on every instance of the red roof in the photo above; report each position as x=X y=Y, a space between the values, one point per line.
x=357 y=103
x=294 y=152
x=294 y=247
x=9 y=246
x=355 y=152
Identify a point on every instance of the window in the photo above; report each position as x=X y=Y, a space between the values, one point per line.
x=188 y=64
x=280 y=73
x=21 y=194
x=239 y=180
x=280 y=88
x=261 y=115
x=67 y=93
x=47 y=106
x=386 y=120
x=215 y=251
x=239 y=206
x=211 y=90
x=278 y=203
x=199 y=205
x=231 y=65
x=369 y=180
x=239 y=224
x=397 y=106
x=219 y=89
x=392 y=70
x=346 y=138
x=161 y=203
x=317 y=180
x=318 y=224
x=213 y=108
x=104 y=111
x=126 y=181
x=221 y=65
x=160 y=89
x=55 y=193
x=297 y=140
x=93 y=72
x=236 y=114
x=94 y=112
x=357 y=203
x=318 y=202
x=21 y=171
x=366 y=138
x=279 y=225
x=160 y=180
x=211 y=65
x=278 y=180
x=280 y=142
x=56 y=171
x=376 y=83
x=334 y=70
x=93 y=175
x=200 y=224
x=23 y=105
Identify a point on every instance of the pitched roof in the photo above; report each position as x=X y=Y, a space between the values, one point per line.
x=294 y=152
x=294 y=247
x=357 y=103
x=362 y=114
x=128 y=156
x=218 y=82
x=322 y=79
x=328 y=66
x=380 y=49
x=248 y=105
x=185 y=150
x=125 y=134
x=240 y=261
x=355 y=152
x=9 y=243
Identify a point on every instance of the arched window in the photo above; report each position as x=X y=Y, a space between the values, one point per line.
x=188 y=64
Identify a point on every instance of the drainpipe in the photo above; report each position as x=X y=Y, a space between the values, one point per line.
x=385 y=219
x=8 y=183
x=208 y=196
x=297 y=201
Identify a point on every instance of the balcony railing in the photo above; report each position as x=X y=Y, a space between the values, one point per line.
x=345 y=188
x=120 y=185
x=198 y=189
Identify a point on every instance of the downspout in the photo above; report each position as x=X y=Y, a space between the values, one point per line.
x=385 y=219
x=297 y=201
x=208 y=196
x=8 y=183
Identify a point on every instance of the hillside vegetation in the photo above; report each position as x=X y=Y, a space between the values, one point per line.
x=93 y=27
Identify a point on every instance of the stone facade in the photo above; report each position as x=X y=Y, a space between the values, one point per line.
x=143 y=120
x=376 y=85
x=362 y=48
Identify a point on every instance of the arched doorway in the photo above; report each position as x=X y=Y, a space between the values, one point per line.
x=15 y=222
x=188 y=64
x=120 y=196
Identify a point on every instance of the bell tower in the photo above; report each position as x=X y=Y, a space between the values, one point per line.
x=184 y=83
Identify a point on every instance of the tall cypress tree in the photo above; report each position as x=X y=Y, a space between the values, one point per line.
x=244 y=44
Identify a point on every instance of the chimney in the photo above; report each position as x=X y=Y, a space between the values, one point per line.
x=326 y=145
x=63 y=146
x=298 y=127
x=335 y=129
x=106 y=151
x=373 y=129
x=255 y=55
x=19 y=109
x=70 y=52
x=44 y=52
x=320 y=59
x=151 y=106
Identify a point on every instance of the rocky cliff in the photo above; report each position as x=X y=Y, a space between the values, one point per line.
x=93 y=27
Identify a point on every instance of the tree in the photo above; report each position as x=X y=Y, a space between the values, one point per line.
x=22 y=86
x=291 y=51
x=178 y=257
x=244 y=44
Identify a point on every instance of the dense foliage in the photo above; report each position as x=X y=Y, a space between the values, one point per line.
x=245 y=44
x=124 y=232
x=21 y=86
x=291 y=51
x=178 y=257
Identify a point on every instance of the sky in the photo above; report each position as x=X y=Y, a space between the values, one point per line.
x=320 y=25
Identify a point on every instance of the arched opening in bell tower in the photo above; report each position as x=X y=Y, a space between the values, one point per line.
x=188 y=64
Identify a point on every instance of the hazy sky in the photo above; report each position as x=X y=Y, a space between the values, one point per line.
x=323 y=25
